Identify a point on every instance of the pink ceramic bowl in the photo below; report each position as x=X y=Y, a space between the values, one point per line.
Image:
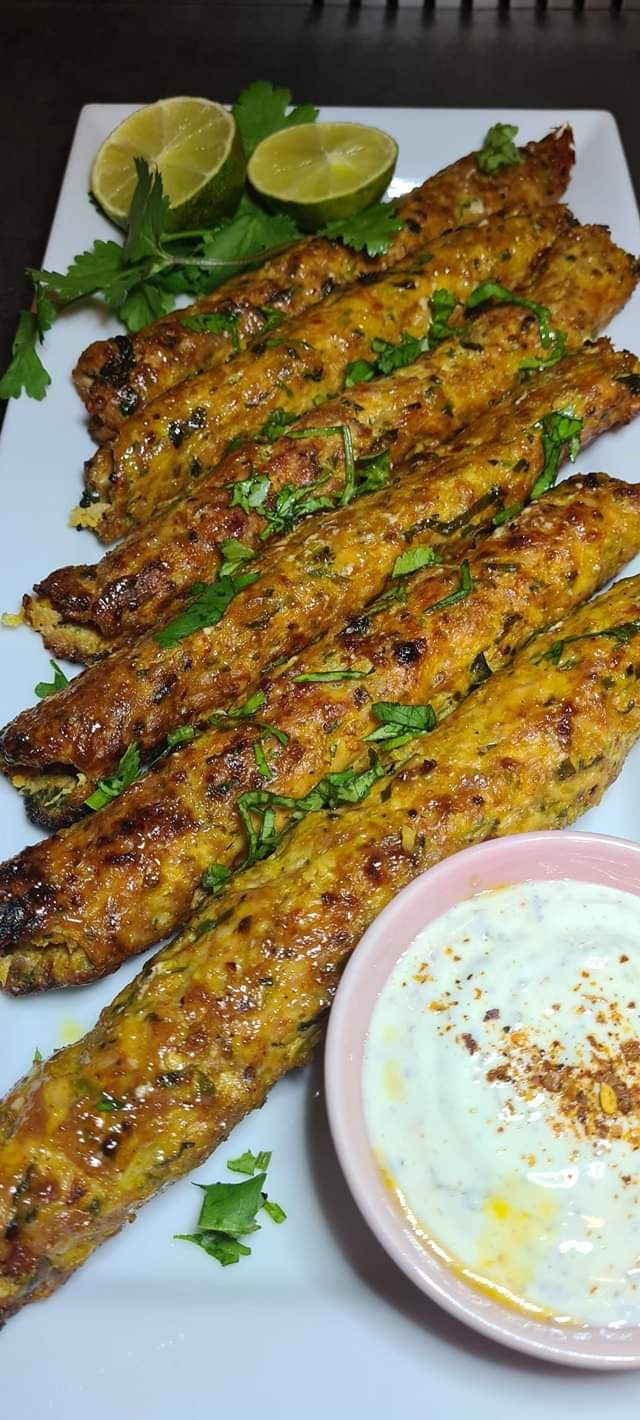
x=584 y=857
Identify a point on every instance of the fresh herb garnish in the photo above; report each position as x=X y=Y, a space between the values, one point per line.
x=182 y=736
x=250 y=493
x=330 y=676
x=274 y=427
x=372 y=231
x=37 y=1057
x=249 y=1163
x=499 y=149
x=234 y=555
x=215 y=877
x=257 y=808
x=506 y=515
x=399 y=723
x=261 y=761
x=214 y=323
x=291 y=505
x=208 y=607
x=623 y=634
x=26 y=370
x=262 y=110
x=464 y=588
x=358 y=372
x=110 y=788
x=559 y=431
x=108 y=1103
x=413 y=559
x=553 y=354
x=49 y=687
x=229 y=1210
x=442 y=305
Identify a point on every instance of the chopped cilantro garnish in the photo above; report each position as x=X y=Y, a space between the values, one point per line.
x=399 y=723
x=250 y=493
x=413 y=559
x=623 y=634
x=108 y=789
x=257 y=808
x=249 y=1163
x=442 y=304
x=499 y=149
x=330 y=676
x=49 y=687
x=215 y=877
x=357 y=372
x=234 y=554
x=214 y=323
x=37 y=1057
x=230 y=1210
x=207 y=608
x=372 y=231
x=107 y=1103
x=559 y=431
x=464 y=588
x=182 y=736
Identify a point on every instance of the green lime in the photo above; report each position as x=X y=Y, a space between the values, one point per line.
x=318 y=172
x=195 y=145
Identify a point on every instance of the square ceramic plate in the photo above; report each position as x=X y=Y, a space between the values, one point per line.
x=318 y=1322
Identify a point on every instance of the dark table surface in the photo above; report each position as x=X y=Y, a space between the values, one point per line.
x=60 y=54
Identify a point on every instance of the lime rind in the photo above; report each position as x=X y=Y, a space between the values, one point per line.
x=325 y=171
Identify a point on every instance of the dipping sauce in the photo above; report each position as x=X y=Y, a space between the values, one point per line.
x=501 y=1087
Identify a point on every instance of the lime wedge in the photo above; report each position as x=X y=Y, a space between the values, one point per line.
x=195 y=145
x=323 y=171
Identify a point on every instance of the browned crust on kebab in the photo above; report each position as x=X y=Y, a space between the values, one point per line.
x=83 y=612
x=183 y=434
x=309 y=583
x=198 y=1039
x=116 y=377
x=76 y=905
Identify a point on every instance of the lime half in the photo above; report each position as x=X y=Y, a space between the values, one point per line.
x=322 y=171
x=194 y=143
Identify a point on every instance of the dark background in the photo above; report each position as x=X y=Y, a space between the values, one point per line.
x=59 y=54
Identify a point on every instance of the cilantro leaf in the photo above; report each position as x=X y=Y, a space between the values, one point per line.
x=49 y=687
x=544 y=360
x=395 y=357
x=144 y=303
x=224 y=1248
x=261 y=109
x=182 y=736
x=274 y=1210
x=249 y=493
x=373 y=472
x=241 y=241
x=399 y=723
x=37 y=1057
x=234 y=554
x=357 y=372
x=215 y=877
x=214 y=323
x=464 y=588
x=111 y=788
x=207 y=608
x=250 y=1163
x=331 y=676
x=232 y=1207
x=148 y=213
x=108 y=1103
x=275 y=425
x=622 y=634
x=413 y=559
x=442 y=305
x=256 y=808
x=25 y=370
x=372 y=231
x=499 y=149
x=559 y=431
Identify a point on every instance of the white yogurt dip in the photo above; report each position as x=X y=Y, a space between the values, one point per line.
x=501 y=1086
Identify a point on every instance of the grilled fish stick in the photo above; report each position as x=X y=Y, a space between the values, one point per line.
x=83 y=612
x=199 y=1037
x=186 y=432
x=308 y=583
x=116 y=377
x=76 y=905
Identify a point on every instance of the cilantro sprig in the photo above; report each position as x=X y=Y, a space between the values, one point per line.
x=45 y=688
x=230 y=1211
x=499 y=149
x=139 y=278
x=622 y=634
